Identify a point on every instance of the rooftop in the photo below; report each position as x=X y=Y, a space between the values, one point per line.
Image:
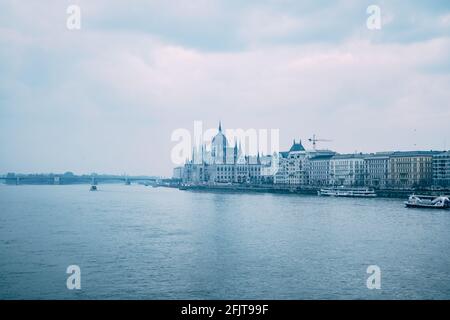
x=322 y=157
x=350 y=156
x=414 y=153
x=297 y=147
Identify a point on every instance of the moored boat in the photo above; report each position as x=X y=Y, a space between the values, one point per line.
x=430 y=202
x=347 y=192
x=183 y=186
x=93 y=188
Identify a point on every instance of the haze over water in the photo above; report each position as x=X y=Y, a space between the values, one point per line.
x=136 y=242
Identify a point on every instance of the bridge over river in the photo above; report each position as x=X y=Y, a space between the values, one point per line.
x=63 y=179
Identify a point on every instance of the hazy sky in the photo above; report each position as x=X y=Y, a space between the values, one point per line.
x=107 y=97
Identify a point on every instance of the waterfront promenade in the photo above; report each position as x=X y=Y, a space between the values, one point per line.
x=307 y=190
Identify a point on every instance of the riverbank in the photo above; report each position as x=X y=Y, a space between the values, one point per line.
x=383 y=193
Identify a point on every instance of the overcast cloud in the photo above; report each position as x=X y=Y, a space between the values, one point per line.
x=106 y=98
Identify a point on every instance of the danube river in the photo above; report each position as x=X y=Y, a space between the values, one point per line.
x=136 y=242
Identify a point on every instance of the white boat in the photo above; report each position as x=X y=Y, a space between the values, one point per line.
x=347 y=192
x=431 y=202
x=93 y=188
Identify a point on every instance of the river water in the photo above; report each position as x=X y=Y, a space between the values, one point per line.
x=137 y=242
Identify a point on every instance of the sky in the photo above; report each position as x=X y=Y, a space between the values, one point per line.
x=106 y=98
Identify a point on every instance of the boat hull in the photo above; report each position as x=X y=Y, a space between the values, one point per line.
x=424 y=206
x=428 y=202
x=347 y=193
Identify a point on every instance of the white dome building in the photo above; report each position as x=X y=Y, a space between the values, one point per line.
x=219 y=147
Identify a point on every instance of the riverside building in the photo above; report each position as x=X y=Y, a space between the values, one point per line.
x=298 y=167
x=441 y=169
x=347 y=170
x=222 y=164
x=377 y=170
x=408 y=169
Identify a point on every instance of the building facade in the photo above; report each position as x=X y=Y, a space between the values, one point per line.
x=441 y=169
x=280 y=177
x=269 y=168
x=377 y=170
x=295 y=165
x=408 y=169
x=178 y=173
x=319 y=169
x=221 y=164
x=225 y=164
x=292 y=166
x=347 y=170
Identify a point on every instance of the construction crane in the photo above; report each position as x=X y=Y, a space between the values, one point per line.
x=314 y=140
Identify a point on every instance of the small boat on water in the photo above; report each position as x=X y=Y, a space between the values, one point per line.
x=430 y=202
x=93 y=188
x=347 y=192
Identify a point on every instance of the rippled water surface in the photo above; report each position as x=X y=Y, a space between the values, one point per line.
x=136 y=242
